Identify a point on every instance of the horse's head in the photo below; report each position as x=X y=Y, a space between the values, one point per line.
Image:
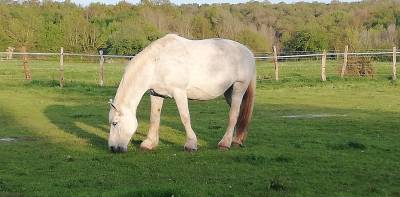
x=123 y=125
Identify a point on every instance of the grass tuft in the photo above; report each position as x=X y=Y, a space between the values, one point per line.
x=69 y=158
x=251 y=159
x=282 y=158
x=348 y=145
x=156 y=192
x=372 y=189
x=43 y=83
x=277 y=184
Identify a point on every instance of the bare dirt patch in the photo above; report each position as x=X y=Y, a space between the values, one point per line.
x=15 y=139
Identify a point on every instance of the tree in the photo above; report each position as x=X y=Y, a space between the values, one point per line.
x=253 y=40
x=201 y=28
x=306 y=41
x=127 y=28
x=130 y=37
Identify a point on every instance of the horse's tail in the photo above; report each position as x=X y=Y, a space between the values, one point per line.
x=246 y=111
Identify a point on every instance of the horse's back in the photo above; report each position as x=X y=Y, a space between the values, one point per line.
x=207 y=52
x=205 y=68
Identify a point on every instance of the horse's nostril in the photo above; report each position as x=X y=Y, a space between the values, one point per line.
x=118 y=149
x=113 y=149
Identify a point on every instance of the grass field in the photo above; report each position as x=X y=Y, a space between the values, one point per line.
x=308 y=138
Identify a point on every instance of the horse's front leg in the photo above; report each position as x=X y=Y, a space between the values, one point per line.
x=152 y=139
x=182 y=103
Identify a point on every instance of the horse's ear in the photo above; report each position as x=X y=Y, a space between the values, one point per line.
x=112 y=105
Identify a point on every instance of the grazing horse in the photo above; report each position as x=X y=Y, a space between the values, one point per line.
x=184 y=69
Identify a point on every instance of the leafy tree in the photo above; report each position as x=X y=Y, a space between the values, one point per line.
x=306 y=41
x=201 y=28
x=131 y=37
x=127 y=28
x=252 y=39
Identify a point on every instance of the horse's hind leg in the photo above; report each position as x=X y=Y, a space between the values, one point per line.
x=238 y=91
x=152 y=139
x=228 y=98
x=182 y=103
x=228 y=95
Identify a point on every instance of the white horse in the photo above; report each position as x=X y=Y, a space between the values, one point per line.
x=184 y=69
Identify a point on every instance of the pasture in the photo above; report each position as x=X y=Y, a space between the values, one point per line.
x=307 y=138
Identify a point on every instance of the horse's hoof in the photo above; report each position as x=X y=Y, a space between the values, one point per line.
x=223 y=145
x=146 y=149
x=146 y=145
x=223 y=148
x=237 y=144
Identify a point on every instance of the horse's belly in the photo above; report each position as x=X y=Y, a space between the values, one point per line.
x=206 y=91
x=209 y=83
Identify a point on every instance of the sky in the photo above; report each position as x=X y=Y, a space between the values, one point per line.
x=87 y=2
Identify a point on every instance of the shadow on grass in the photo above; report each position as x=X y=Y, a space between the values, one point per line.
x=6 y=121
x=209 y=121
x=153 y=192
x=68 y=84
x=75 y=86
x=284 y=144
x=84 y=121
x=90 y=122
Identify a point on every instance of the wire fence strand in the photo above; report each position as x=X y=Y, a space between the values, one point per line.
x=258 y=55
x=299 y=65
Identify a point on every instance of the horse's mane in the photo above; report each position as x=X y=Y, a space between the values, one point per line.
x=156 y=46
x=143 y=58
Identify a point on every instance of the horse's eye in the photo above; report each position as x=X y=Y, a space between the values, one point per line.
x=114 y=123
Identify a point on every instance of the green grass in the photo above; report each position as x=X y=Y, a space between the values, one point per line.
x=61 y=138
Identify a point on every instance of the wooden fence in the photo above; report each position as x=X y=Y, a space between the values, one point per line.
x=274 y=57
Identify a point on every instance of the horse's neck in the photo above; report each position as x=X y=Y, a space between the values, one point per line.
x=134 y=84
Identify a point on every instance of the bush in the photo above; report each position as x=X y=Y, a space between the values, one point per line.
x=306 y=41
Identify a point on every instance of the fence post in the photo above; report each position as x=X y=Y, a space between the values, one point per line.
x=62 y=67
x=323 y=66
x=27 y=72
x=101 y=68
x=10 y=51
x=276 y=64
x=394 y=77
x=346 y=50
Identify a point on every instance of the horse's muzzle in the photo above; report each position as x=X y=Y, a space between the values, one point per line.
x=118 y=149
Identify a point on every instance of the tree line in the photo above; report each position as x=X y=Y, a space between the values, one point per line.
x=127 y=28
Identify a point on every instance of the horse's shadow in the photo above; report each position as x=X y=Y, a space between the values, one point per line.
x=209 y=120
x=90 y=122
x=83 y=121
